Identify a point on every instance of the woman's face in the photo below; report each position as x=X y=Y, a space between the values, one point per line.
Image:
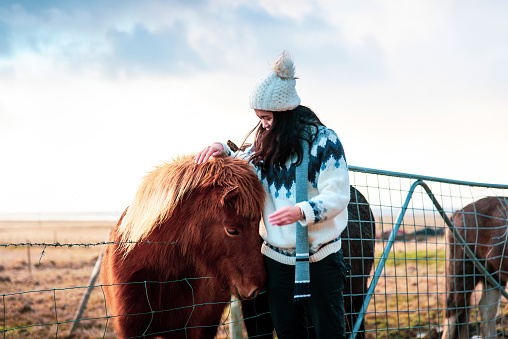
x=266 y=118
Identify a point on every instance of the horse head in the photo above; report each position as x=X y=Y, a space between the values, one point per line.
x=227 y=246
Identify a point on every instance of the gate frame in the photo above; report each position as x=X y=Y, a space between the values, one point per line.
x=419 y=182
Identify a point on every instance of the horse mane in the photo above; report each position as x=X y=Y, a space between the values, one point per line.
x=169 y=184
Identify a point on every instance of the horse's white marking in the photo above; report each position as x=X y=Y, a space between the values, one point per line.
x=451 y=330
x=489 y=305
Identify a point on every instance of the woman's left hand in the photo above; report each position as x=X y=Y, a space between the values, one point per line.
x=285 y=216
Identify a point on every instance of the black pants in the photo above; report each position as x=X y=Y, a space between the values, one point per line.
x=326 y=307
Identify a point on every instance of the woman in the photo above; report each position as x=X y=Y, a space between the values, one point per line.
x=277 y=151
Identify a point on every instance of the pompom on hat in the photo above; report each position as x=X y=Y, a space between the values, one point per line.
x=276 y=91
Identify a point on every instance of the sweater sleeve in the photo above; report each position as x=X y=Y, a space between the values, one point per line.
x=328 y=171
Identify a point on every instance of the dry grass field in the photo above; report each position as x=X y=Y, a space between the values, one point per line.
x=42 y=286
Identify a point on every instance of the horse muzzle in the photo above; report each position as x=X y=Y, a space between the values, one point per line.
x=251 y=295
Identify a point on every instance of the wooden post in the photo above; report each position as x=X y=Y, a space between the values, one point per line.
x=86 y=295
x=29 y=261
x=235 y=319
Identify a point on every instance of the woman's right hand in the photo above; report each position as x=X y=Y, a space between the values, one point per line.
x=213 y=150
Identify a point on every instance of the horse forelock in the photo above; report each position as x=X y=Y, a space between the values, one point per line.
x=167 y=185
x=248 y=193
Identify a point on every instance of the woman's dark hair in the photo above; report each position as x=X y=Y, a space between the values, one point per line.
x=273 y=148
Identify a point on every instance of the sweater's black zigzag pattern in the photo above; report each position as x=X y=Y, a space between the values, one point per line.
x=286 y=177
x=278 y=178
x=331 y=150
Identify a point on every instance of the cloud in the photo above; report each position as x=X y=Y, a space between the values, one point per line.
x=165 y=51
x=175 y=37
x=83 y=36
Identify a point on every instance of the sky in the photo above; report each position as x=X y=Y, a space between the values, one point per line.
x=94 y=94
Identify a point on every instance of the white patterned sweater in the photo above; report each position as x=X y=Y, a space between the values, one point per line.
x=325 y=210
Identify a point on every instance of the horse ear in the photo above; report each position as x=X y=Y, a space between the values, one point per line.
x=228 y=194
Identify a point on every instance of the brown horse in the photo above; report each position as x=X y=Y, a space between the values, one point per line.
x=483 y=225
x=358 y=249
x=188 y=241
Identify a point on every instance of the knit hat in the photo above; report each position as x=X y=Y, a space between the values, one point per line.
x=276 y=91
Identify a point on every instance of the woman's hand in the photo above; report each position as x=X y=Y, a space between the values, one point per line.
x=213 y=150
x=285 y=216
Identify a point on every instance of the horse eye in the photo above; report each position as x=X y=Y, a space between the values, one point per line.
x=232 y=231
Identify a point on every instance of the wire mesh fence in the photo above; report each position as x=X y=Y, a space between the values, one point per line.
x=414 y=240
x=417 y=284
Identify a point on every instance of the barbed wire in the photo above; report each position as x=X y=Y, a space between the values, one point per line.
x=101 y=243
x=87 y=244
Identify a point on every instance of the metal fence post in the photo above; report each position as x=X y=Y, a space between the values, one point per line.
x=235 y=319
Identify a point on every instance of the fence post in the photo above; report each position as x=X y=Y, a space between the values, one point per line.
x=235 y=319
x=86 y=295
x=29 y=260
